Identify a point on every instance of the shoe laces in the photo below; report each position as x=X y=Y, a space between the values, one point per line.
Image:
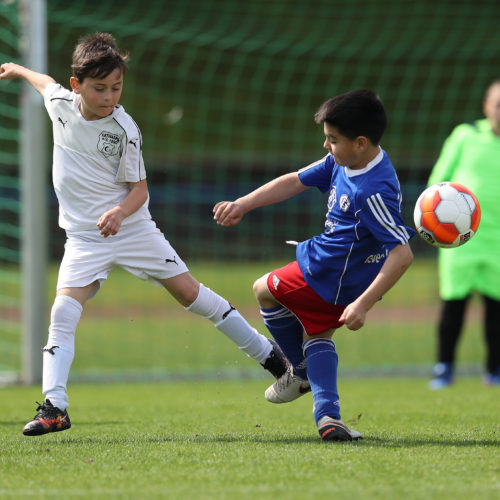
x=287 y=379
x=46 y=410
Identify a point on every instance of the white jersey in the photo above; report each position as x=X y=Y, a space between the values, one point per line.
x=93 y=161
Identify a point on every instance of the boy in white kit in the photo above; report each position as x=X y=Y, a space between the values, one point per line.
x=100 y=182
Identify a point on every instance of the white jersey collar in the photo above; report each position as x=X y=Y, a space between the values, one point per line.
x=353 y=173
x=76 y=103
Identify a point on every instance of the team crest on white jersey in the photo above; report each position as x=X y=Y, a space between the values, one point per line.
x=332 y=199
x=109 y=144
x=344 y=203
x=276 y=281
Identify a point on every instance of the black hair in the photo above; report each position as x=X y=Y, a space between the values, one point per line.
x=355 y=113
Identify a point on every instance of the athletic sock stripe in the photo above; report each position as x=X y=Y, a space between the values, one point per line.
x=281 y=313
x=309 y=343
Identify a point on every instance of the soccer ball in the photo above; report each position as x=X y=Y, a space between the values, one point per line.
x=447 y=215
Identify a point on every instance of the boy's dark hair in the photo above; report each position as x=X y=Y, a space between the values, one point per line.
x=355 y=113
x=96 y=56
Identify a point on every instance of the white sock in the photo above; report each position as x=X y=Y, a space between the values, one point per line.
x=60 y=349
x=231 y=323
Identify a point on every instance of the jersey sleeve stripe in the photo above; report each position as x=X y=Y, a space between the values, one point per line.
x=303 y=169
x=138 y=131
x=140 y=149
x=384 y=217
x=124 y=128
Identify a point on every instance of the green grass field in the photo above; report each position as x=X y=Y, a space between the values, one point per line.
x=222 y=440
x=164 y=406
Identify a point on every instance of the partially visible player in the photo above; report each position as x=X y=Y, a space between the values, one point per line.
x=471 y=156
x=100 y=182
x=340 y=274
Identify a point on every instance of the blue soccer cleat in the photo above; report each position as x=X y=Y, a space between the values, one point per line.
x=492 y=378
x=443 y=376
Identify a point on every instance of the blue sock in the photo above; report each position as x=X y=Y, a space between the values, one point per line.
x=322 y=363
x=287 y=331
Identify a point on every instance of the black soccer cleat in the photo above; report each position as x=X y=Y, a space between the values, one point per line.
x=276 y=364
x=331 y=429
x=48 y=419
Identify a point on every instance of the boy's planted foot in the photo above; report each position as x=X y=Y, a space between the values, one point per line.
x=331 y=429
x=443 y=376
x=276 y=364
x=287 y=388
x=492 y=378
x=48 y=419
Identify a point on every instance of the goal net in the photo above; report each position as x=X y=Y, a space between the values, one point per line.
x=225 y=93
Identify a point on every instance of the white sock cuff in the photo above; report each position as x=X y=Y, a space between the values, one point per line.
x=197 y=306
x=64 y=317
x=210 y=305
x=70 y=301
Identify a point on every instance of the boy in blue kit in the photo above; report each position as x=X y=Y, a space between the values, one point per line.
x=340 y=274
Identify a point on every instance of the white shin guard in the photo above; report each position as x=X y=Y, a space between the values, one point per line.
x=247 y=338
x=231 y=323
x=60 y=349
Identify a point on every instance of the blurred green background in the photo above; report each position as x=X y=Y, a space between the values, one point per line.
x=224 y=92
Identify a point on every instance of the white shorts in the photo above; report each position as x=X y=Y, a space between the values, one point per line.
x=140 y=249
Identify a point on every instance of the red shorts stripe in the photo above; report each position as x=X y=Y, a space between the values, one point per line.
x=288 y=287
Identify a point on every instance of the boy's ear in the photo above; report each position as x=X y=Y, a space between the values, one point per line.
x=75 y=84
x=362 y=142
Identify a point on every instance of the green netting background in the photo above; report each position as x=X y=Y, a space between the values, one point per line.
x=225 y=92
x=10 y=306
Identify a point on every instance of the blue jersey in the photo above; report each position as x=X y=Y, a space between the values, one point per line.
x=363 y=223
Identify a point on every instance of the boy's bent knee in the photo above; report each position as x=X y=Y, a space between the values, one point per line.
x=184 y=288
x=260 y=286
x=262 y=293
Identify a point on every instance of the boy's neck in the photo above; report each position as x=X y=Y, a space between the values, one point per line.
x=367 y=156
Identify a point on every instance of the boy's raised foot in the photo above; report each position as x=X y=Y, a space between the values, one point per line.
x=48 y=419
x=287 y=388
x=331 y=429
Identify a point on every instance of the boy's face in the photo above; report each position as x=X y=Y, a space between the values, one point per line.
x=347 y=152
x=491 y=107
x=99 y=96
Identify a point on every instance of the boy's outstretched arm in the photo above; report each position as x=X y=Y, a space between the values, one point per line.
x=9 y=71
x=397 y=262
x=230 y=213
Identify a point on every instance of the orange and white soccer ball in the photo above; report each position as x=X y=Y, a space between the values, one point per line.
x=447 y=215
